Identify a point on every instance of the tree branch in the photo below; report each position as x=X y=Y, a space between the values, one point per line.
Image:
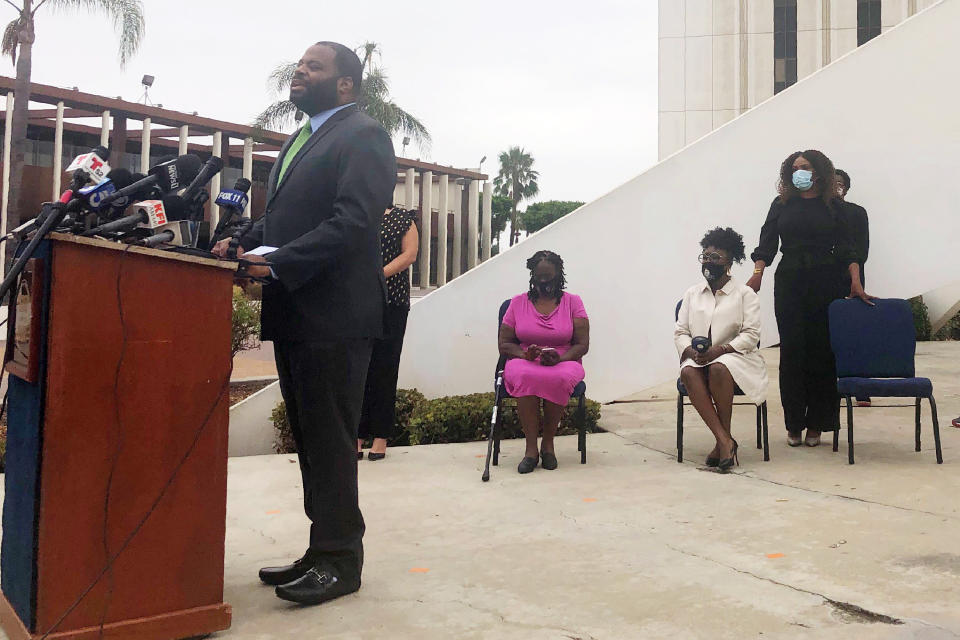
x=18 y=9
x=37 y=8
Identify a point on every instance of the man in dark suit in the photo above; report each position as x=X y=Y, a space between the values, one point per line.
x=324 y=304
x=860 y=228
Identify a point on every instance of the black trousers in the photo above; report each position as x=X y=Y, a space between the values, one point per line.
x=322 y=386
x=808 y=374
x=379 y=413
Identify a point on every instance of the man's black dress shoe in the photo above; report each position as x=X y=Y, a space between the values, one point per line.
x=376 y=456
x=275 y=576
x=319 y=584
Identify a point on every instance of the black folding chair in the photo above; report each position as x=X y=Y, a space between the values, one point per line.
x=763 y=439
x=493 y=441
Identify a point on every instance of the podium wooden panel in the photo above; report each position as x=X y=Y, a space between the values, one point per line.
x=134 y=395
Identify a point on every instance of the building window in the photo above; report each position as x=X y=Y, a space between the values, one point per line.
x=784 y=44
x=868 y=20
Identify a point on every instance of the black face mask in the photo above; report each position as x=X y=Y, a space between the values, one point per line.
x=547 y=289
x=713 y=271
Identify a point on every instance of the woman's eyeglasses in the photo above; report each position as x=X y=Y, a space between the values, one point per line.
x=704 y=258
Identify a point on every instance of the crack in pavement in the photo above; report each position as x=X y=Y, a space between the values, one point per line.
x=848 y=612
x=748 y=475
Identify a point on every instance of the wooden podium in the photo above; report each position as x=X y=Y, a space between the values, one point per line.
x=115 y=504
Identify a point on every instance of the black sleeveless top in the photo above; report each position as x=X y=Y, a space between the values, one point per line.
x=396 y=223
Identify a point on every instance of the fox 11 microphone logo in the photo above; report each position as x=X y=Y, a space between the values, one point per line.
x=232 y=198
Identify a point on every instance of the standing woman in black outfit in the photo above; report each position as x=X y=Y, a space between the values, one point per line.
x=399 y=244
x=808 y=223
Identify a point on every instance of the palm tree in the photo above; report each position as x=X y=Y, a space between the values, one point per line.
x=17 y=42
x=517 y=180
x=374 y=100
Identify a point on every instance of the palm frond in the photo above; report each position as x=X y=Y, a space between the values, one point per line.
x=409 y=125
x=366 y=52
x=281 y=77
x=278 y=116
x=8 y=46
x=127 y=17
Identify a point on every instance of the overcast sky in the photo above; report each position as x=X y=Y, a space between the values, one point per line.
x=575 y=84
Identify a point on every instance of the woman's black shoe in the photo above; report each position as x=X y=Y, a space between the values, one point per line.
x=727 y=463
x=359 y=455
x=527 y=465
x=376 y=456
x=712 y=461
x=548 y=461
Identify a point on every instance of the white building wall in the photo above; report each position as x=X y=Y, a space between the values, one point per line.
x=631 y=254
x=716 y=56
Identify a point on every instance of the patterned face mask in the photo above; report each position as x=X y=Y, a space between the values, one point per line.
x=713 y=271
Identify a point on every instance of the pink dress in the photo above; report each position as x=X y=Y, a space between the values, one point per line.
x=528 y=377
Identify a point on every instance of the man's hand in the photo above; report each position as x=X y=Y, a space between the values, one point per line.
x=220 y=249
x=258 y=270
x=755 y=281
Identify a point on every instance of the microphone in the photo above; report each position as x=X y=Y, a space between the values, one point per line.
x=148 y=214
x=168 y=176
x=210 y=168
x=176 y=232
x=235 y=202
x=93 y=163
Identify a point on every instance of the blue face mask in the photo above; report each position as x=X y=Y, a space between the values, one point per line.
x=803 y=179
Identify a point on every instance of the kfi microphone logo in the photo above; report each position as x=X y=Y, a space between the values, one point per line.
x=155 y=212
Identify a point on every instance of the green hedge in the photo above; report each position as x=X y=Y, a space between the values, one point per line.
x=443 y=420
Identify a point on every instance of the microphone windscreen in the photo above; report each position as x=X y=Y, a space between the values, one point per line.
x=103 y=152
x=188 y=166
x=121 y=177
x=175 y=207
x=242 y=185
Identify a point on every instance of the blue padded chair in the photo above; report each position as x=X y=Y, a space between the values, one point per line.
x=493 y=442
x=763 y=439
x=875 y=348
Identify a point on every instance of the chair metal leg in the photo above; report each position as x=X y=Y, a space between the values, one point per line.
x=936 y=430
x=759 y=434
x=497 y=434
x=850 y=429
x=917 y=430
x=582 y=428
x=679 y=428
x=766 y=433
x=836 y=440
x=494 y=421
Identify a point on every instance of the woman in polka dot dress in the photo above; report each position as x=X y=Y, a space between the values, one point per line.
x=399 y=244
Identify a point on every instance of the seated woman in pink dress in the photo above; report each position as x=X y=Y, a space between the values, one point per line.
x=545 y=333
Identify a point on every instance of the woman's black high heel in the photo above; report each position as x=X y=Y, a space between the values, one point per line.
x=712 y=461
x=727 y=463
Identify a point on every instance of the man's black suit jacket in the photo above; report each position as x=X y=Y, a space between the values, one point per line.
x=325 y=218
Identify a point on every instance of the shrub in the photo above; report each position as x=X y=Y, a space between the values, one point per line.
x=443 y=420
x=949 y=331
x=3 y=446
x=921 y=319
x=246 y=322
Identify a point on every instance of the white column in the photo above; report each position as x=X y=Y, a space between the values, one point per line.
x=473 y=222
x=442 y=206
x=57 y=152
x=409 y=193
x=145 y=147
x=457 y=229
x=7 y=129
x=184 y=140
x=486 y=240
x=215 y=183
x=248 y=169
x=426 y=227
x=105 y=129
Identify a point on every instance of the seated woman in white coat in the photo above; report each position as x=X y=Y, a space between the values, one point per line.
x=722 y=318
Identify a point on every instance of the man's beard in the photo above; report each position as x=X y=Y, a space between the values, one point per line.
x=317 y=98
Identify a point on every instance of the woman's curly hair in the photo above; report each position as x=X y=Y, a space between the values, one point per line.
x=824 y=176
x=553 y=259
x=726 y=239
